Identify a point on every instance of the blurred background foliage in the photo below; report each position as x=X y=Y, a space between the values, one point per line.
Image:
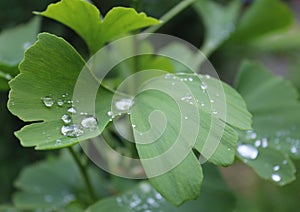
x=279 y=50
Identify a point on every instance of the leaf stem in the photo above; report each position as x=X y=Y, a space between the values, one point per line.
x=170 y=14
x=83 y=171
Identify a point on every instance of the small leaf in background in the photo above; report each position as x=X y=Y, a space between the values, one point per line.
x=54 y=184
x=14 y=42
x=257 y=22
x=274 y=104
x=48 y=185
x=43 y=93
x=96 y=31
x=144 y=197
x=189 y=112
x=219 y=21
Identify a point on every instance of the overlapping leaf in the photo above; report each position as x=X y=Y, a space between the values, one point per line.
x=170 y=119
x=219 y=22
x=145 y=197
x=91 y=27
x=13 y=43
x=256 y=22
x=274 y=104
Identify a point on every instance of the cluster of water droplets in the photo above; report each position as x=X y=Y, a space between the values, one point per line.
x=145 y=201
x=70 y=129
x=207 y=102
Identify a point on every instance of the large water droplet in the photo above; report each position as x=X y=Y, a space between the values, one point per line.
x=48 y=101
x=124 y=104
x=276 y=177
x=247 y=151
x=72 y=130
x=66 y=119
x=89 y=122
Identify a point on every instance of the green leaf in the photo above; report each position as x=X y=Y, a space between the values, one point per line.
x=172 y=115
x=144 y=197
x=50 y=184
x=274 y=104
x=98 y=31
x=261 y=18
x=50 y=69
x=219 y=22
x=13 y=43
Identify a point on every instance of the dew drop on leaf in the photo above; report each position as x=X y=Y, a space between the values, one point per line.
x=60 y=102
x=57 y=142
x=247 y=151
x=276 y=168
x=89 y=122
x=72 y=110
x=124 y=104
x=72 y=130
x=66 y=119
x=294 y=150
x=48 y=101
x=276 y=177
x=264 y=143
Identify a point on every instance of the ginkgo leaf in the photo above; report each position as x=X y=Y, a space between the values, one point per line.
x=87 y=22
x=274 y=104
x=174 y=114
x=43 y=93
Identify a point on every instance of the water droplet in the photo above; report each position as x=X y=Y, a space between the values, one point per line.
x=251 y=135
x=294 y=150
x=145 y=187
x=215 y=112
x=158 y=196
x=89 y=122
x=276 y=168
x=173 y=83
x=66 y=119
x=72 y=110
x=64 y=95
x=284 y=162
x=133 y=126
x=202 y=104
x=26 y=45
x=124 y=104
x=212 y=101
x=257 y=143
x=57 y=142
x=72 y=130
x=190 y=79
x=276 y=177
x=83 y=113
x=186 y=118
x=168 y=76
x=109 y=113
x=60 y=102
x=48 y=101
x=247 y=151
x=203 y=86
x=7 y=77
x=207 y=76
x=264 y=143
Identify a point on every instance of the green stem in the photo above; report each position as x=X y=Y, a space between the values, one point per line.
x=170 y=14
x=83 y=171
